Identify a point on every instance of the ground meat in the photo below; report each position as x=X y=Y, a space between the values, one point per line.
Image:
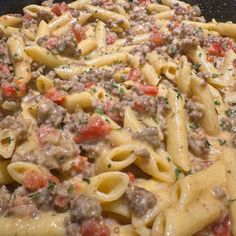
x=149 y=135
x=70 y=86
x=66 y=45
x=49 y=113
x=44 y=15
x=162 y=105
x=139 y=14
x=29 y=22
x=142 y=152
x=93 y=150
x=195 y=110
x=229 y=124
x=140 y=201
x=142 y=51
x=190 y=37
x=5 y=198
x=198 y=143
x=84 y=208
x=4 y=53
x=72 y=229
x=73 y=122
x=145 y=104
x=18 y=124
x=23 y=206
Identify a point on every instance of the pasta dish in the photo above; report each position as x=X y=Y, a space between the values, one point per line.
x=117 y=118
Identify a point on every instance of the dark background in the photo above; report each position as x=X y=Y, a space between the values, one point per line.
x=219 y=9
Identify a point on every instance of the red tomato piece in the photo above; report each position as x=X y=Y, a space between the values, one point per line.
x=59 y=8
x=148 y=89
x=61 y=202
x=157 y=37
x=89 y=84
x=223 y=228
x=96 y=128
x=131 y=176
x=210 y=58
x=33 y=180
x=55 y=96
x=80 y=164
x=94 y=227
x=27 y=17
x=134 y=74
x=21 y=89
x=112 y=112
x=46 y=133
x=4 y=71
x=111 y=38
x=79 y=32
x=8 y=90
x=216 y=49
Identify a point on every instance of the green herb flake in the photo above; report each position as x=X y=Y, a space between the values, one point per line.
x=178 y=94
x=118 y=129
x=196 y=66
x=121 y=92
x=178 y=171
x=107 y=120
x=165 y=100
x=51 y=185
x=217 y=102
x=9 y=140
x=215 y=75
x=230 y=112
x=222 y=141
x=228 y=171
x=207 y=144
x=114 y=85
x=94 y=90
x=109 y=166
x=193 y=126
x=168 y=159
x=36 y=196
x=70 y=189
x=87 y=180
x=99 y=111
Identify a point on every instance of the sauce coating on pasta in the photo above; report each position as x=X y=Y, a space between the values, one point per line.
x=117 y=118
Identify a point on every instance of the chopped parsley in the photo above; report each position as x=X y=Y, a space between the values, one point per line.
x=114 y=85
x=118 y=129
x=196 y=66
x=87 y=180
x=178 y=171
x=70 y=189
x=165 y=100
x=193 y=126
x=228 y=171
x=168 y=159
x=35 y=196
x=222 y=141
x=207 y=144
x=61 y=125
x=121 y=92
x=189 y=172
x=51 y=185
x=109 y=166
x=217 y=102
x=94 y=90
x=9 y=140
x=178 y=94
x=215 y=75
x=99 y=111
x=230 y=112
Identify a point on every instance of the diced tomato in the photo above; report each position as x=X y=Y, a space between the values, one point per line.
x=34 y=180
x=216 y=49
x=131 y=176
x=61 y=202
x=8 y=90
x=88 y=84
x=96 y=128
x=114 y=113
x=210 y=58
x=51 y=43
x=80 y=164
x=79 y=32
x=111 y=38
x=27 y=17
x=134 y=74
x=59 y=8
x=223 y=228
x=108 y=4
x=157 y=37
x=94 y=227
x=148 y=89
x=4 y=71
x=144 y=2
x=55 y=96
x=21 y=89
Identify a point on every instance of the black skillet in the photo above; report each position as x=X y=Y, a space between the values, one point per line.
x=221 y=10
